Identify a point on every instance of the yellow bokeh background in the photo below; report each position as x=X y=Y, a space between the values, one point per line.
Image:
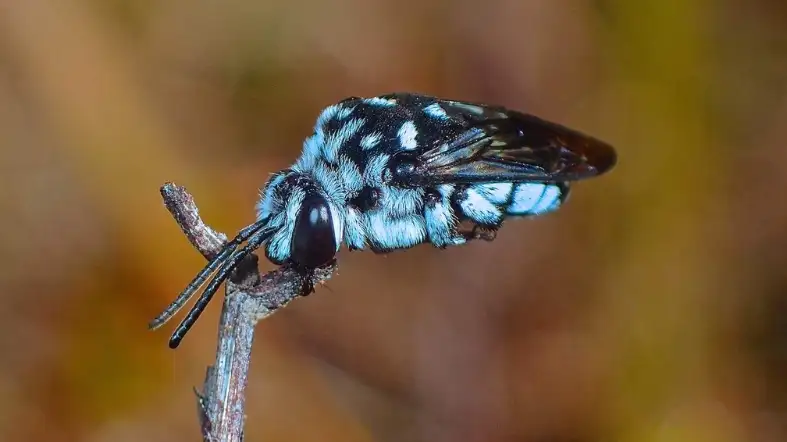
x=652 y=307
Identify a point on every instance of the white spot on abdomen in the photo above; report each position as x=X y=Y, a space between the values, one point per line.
x=534 y=199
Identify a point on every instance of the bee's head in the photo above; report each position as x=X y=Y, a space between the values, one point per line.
x=309 y=223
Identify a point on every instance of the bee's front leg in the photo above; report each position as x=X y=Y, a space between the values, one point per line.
x=307 y=286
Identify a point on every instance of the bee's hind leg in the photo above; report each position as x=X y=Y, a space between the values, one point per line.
x=475 y=231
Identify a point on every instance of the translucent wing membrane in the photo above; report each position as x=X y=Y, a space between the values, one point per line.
x=501 y=145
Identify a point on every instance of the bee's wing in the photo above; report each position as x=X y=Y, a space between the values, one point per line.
x=502 y=145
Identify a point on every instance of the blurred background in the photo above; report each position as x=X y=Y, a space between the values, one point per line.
x=652 y=307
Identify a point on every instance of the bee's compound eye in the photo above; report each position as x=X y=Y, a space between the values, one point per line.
x=313 y=240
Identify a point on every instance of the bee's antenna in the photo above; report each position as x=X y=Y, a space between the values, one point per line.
x=198 y=280
x=227 y=265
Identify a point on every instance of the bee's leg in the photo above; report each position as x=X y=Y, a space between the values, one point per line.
x=477 y=231
x=307 y=287
x=485 y=233
x=309 y=276
x=306 y=278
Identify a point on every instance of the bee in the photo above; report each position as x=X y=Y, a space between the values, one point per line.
x=391 y=172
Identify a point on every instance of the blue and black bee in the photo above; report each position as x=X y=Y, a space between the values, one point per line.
x=398 y=170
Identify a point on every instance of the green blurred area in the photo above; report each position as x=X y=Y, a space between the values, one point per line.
x=653 y=307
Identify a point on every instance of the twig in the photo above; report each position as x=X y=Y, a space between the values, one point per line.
x=249 y=298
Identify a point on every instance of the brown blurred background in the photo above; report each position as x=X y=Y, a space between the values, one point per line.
x=653 y=307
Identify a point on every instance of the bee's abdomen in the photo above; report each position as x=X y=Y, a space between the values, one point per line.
x=488 y=204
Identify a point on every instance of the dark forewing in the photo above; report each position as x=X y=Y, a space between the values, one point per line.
x=494 y=144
